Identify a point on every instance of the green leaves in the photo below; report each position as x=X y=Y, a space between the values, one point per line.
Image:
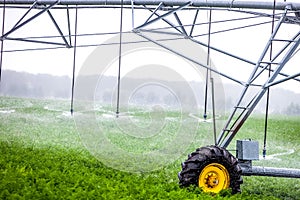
x=41 y=157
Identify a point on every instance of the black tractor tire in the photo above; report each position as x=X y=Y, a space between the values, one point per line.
x=204 y=156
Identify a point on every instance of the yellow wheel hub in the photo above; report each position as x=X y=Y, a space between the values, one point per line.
x=214 y=178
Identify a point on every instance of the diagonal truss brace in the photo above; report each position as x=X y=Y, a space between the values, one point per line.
x=165 y=20
x=180 y=24
x=154 y=12
x=58 y=29
x=267 y=67
x=282 y=80
x=20 y=24
x=157 y=42
x=194 y=22
x=20 y=20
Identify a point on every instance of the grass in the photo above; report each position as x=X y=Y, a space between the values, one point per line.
x=42 y=157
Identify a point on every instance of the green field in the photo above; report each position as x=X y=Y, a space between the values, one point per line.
x=42 y=157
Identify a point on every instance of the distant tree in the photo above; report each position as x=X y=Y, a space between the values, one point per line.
x=138 y=99
x=170 y=100
x=293 y=109
x=107 y=96
x=152 y=98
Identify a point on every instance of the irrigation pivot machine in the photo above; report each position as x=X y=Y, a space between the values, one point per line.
x=213 y=168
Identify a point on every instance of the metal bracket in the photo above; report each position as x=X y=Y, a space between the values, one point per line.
x=164 y=15
x=19 y=24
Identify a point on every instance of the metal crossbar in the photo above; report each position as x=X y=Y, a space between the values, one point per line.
x=196 y=3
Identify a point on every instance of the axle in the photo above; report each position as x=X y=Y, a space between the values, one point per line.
x=270 y=171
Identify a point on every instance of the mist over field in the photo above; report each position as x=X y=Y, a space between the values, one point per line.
x=45 y=155
x=23 y=84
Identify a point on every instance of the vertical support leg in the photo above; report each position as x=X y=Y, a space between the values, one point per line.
x=213 y=109
x=268 y=90
x=120 y=61
x=74 y=61
x=132 y=14
x=58 y=29
x=180 y=24
x=208 y=64
x=69 y=26
x=2 y=40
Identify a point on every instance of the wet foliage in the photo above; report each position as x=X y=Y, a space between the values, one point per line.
x=42 y=157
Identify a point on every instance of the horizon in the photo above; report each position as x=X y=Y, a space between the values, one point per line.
x=246 y=43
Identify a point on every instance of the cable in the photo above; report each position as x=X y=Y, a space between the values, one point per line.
x=93 y=45
x=258 y=15
x=236 y=28
x=72 y=35
x=88 y=45
x=205 y=23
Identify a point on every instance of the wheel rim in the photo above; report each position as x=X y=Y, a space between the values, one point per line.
x=214 y=178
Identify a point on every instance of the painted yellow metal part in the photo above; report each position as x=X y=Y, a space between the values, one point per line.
x=214 y=178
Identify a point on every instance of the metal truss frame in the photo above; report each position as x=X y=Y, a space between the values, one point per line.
x=160 y=10
x=232 y=126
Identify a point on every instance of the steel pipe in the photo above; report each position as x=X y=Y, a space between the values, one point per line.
x=270 y=171
x=196 y=3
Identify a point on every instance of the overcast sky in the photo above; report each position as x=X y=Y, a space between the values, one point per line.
x=247 y=43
